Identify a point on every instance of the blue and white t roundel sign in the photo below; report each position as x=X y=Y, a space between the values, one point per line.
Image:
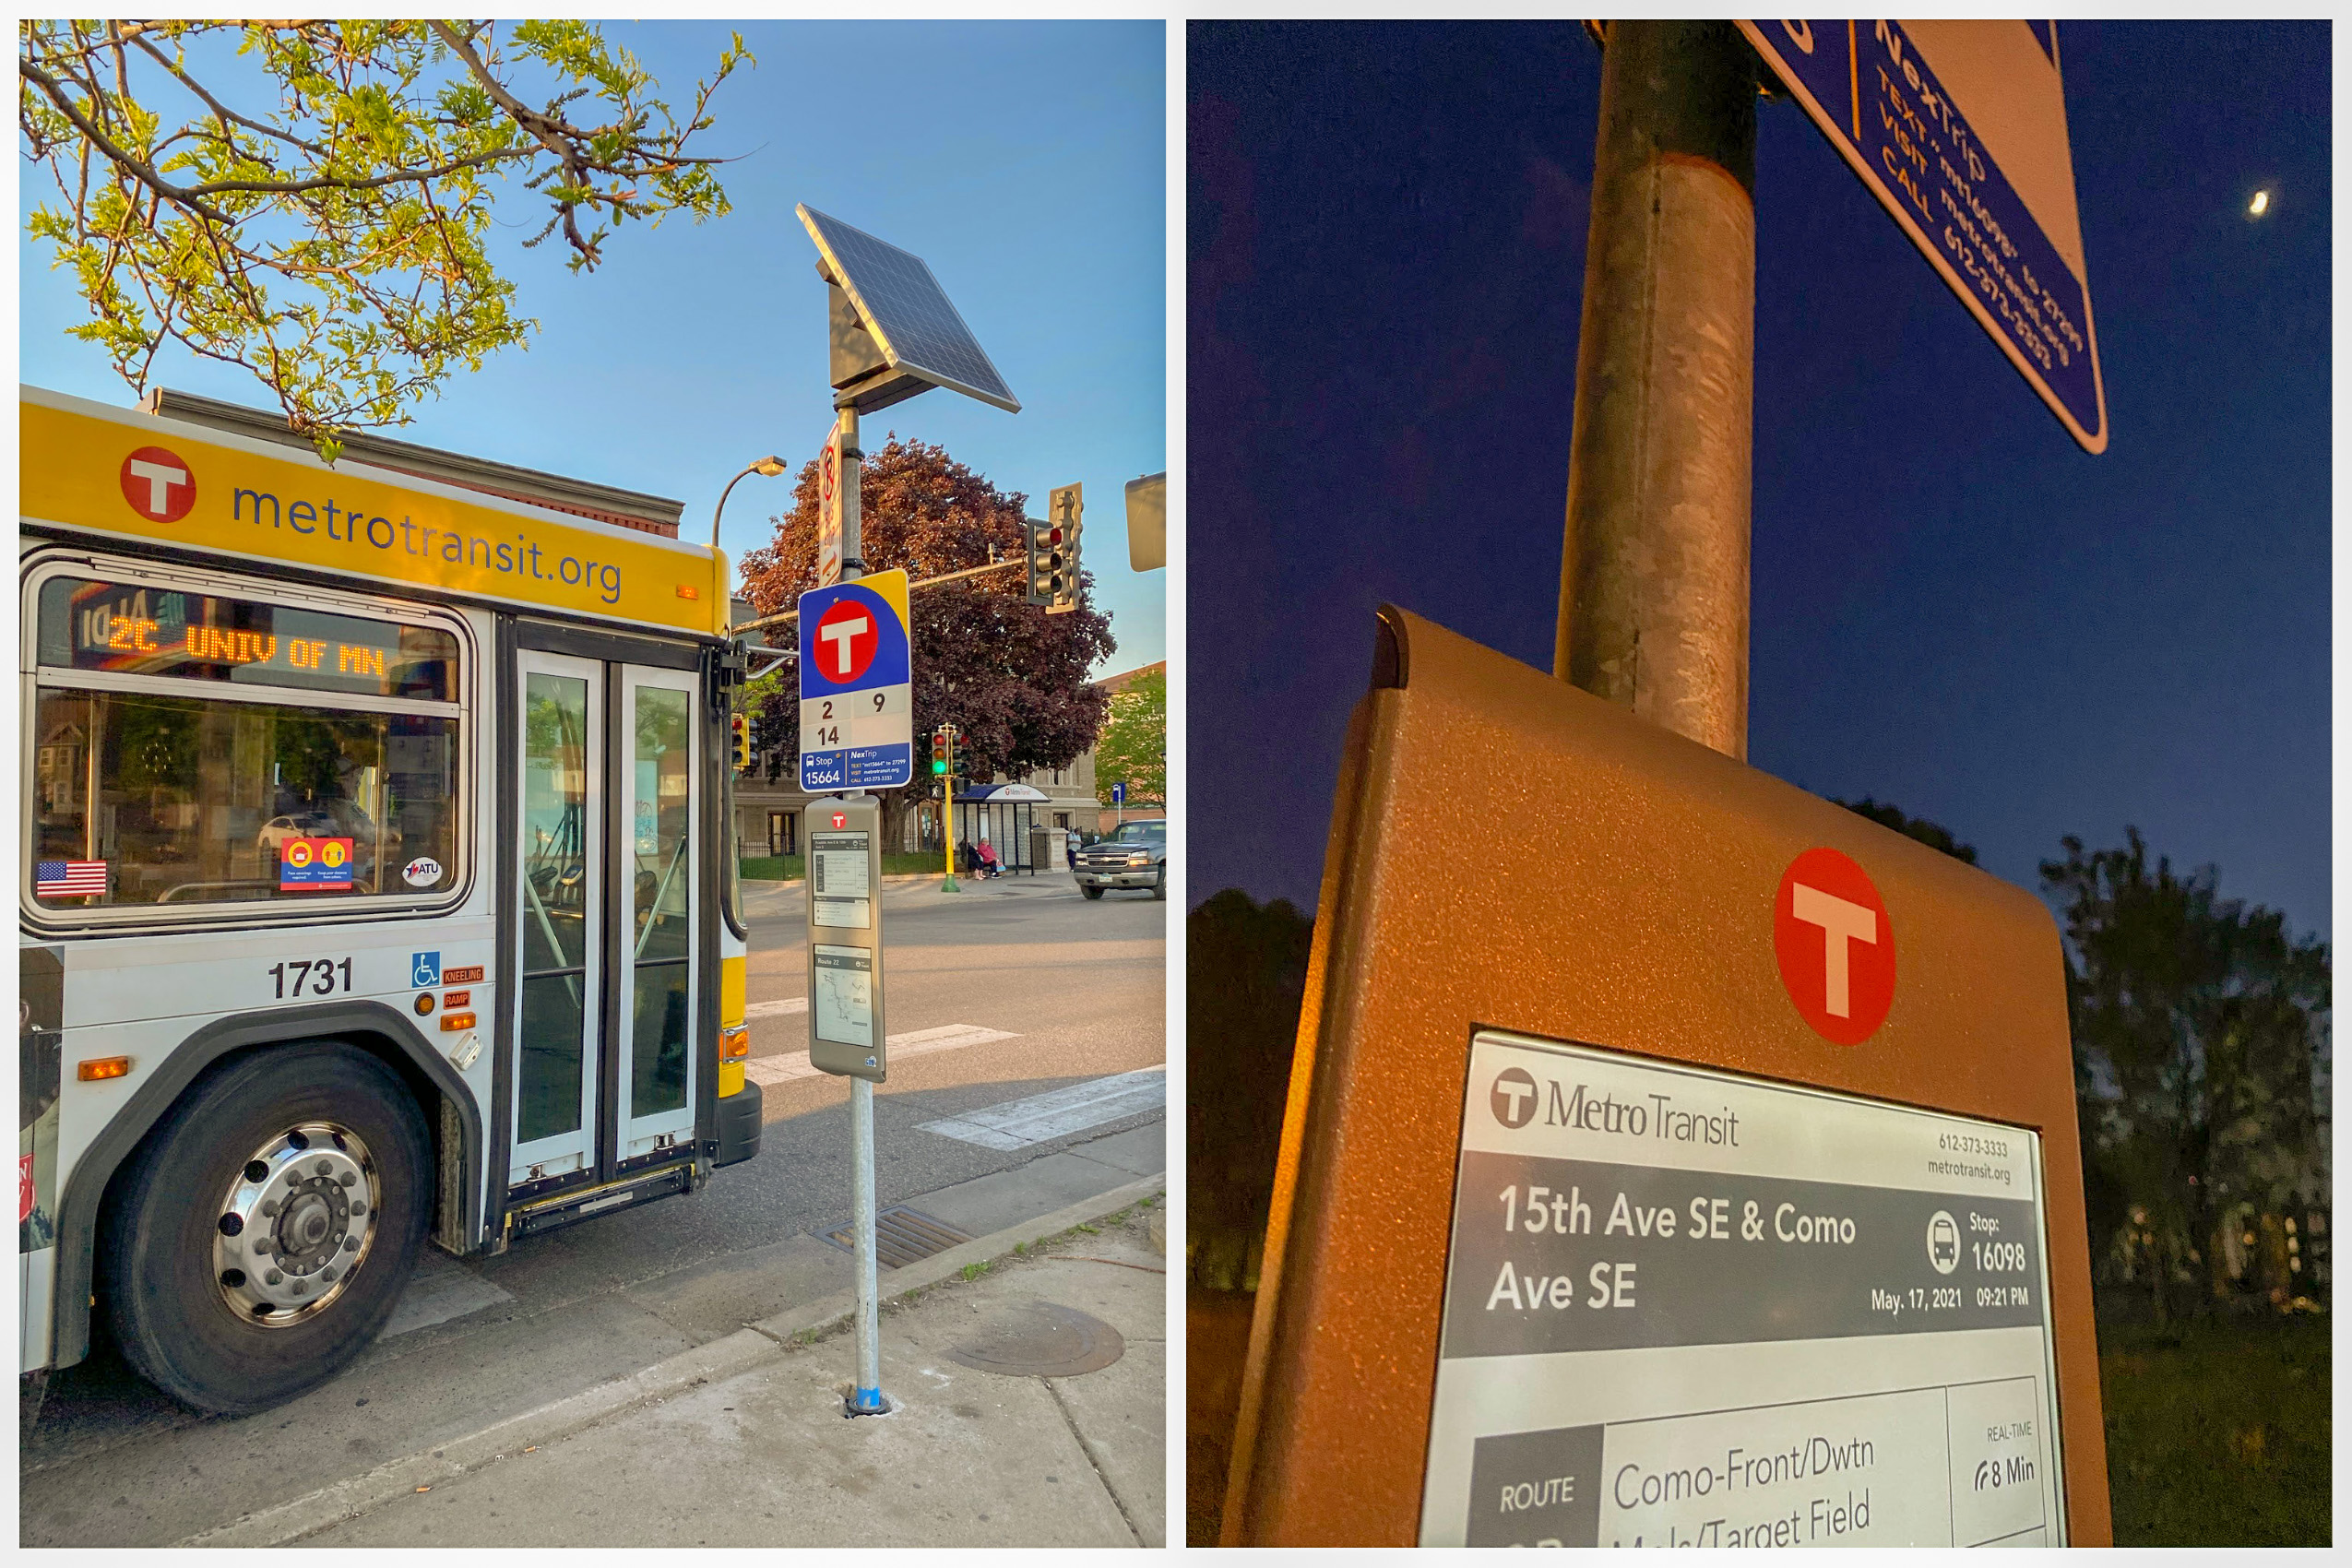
x=857 y=713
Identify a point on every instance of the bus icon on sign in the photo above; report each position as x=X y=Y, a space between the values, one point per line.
x=1943 y=1242
x=424 y=969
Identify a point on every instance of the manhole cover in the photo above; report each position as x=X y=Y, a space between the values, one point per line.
x=901 y=1235
x=1040 y=1339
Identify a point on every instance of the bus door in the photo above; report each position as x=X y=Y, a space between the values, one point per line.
x=604 y=912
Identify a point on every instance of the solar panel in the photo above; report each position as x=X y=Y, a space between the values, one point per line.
x=905 y=311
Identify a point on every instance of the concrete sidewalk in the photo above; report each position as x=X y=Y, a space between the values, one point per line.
x=742 y=1441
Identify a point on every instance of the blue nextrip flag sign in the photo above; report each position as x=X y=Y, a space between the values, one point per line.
x=857 y=710
x=1959 y=129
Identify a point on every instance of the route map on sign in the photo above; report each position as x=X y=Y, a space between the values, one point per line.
x=857 y=709
x=843 y=1010
x=1959 y=129
x=1684 y=1308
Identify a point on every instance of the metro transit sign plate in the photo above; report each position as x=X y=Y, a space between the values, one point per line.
x=1959 y=129
x=857 y=705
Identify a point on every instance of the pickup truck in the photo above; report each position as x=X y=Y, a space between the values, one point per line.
x=1135 y=855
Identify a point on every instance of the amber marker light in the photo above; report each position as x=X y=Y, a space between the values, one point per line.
x=101 y=1067
x=457 y=1020
x=425 y=1002
x=734 y=1044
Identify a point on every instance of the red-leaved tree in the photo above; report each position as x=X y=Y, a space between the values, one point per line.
x=1013 y=679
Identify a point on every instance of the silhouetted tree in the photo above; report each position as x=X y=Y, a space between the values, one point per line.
x=1246 y=971
x=2201 y=1038
x=1930 y=834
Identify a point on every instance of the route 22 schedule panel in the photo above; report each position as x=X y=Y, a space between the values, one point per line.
x=1684 y=1308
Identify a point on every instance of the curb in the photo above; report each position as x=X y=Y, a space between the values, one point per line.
x=737 y=1352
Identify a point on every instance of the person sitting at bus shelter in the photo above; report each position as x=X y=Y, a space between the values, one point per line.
x=988 y=859
x=966 y=860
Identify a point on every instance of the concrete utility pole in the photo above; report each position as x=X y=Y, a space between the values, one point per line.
x=1654 y=577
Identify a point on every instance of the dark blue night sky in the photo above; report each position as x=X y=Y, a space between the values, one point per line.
x=1955 y=609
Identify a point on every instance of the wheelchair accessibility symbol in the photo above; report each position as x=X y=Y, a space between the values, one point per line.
x=424 y=969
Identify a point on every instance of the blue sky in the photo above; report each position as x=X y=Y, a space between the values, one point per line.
x=1025 y=162
x=1955 y=609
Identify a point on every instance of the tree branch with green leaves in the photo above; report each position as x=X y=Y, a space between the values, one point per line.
x=333 y=242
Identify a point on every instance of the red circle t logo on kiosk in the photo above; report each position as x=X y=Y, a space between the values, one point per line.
x=1835 y=946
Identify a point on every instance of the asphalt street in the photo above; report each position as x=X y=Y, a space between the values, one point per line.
x=1016 y=990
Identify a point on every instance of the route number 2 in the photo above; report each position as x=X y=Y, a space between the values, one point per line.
x=828 y=732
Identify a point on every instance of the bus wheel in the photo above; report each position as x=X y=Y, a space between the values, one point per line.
x=267 y=1225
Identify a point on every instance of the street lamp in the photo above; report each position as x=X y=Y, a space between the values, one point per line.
x=766 y=467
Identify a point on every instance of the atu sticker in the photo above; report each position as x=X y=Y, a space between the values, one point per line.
x=1835 y=946
x=423 y=871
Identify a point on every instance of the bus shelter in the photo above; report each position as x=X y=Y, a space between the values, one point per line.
x=1003 y=814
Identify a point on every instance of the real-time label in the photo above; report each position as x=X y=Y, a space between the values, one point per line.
x=1688 y=1309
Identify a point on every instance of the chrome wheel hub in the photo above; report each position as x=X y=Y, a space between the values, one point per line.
x=295 y=1224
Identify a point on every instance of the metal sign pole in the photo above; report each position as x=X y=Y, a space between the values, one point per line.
x=1654 y=579
x=865 y=1395
x=893 y=335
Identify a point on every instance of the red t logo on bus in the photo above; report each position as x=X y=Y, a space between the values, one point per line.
x=157 y=484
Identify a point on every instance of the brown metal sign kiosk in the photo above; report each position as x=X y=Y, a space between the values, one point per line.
x=1671 y=1157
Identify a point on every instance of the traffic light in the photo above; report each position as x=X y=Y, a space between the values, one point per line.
x=1053 y=552
x=939 y=751
x=741 y=724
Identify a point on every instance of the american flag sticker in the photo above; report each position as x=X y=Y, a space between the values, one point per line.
x=68 y=879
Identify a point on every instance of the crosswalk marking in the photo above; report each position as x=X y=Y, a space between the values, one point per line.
x=1020 y=1122
x=795 y=1064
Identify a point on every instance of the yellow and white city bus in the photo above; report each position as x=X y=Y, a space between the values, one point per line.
x=378 y=887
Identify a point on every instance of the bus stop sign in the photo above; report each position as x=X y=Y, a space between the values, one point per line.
x=1959 y=129
x=857 y=712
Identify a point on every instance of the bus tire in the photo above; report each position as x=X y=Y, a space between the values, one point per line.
x=1159 y=888
x=322 y=1148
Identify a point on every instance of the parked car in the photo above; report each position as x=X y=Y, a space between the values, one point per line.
x=278 y=830
x=1135 y=855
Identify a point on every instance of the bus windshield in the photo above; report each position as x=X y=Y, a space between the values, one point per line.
x=196 y=749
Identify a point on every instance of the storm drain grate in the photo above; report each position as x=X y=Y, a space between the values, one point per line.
x=901 y=1236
